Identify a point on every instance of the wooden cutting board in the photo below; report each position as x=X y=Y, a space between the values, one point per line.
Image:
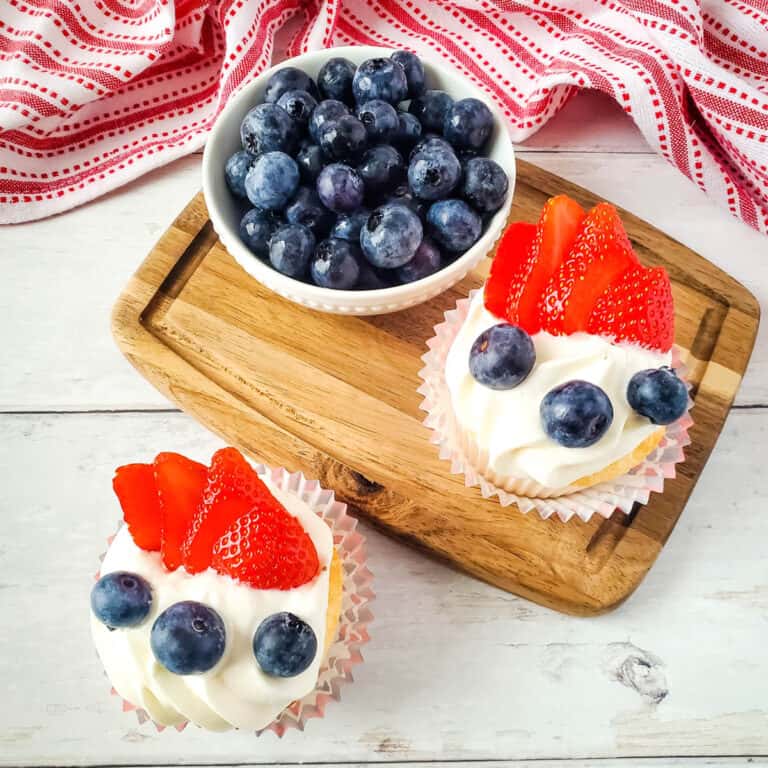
x=336 y=398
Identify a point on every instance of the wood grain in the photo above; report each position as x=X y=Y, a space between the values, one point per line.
x=336 y=397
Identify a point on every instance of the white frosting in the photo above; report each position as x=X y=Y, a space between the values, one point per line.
x=507 y=424
x=235 y=693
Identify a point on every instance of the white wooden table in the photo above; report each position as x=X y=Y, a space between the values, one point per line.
x=457 y=671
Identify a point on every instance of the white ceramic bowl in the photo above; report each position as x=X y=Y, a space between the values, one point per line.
x=224 y=210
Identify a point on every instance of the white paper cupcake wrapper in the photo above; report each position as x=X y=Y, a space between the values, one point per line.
x=456 y=446
x=352 y=631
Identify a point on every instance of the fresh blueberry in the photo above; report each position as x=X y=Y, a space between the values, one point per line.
x=335 y=79
x=288 y=79
x=485 y=184
x=380 y=120
x=299 y=105
x=502 y=356
x=433 y=174
x=391 y=236
x=284 y=645
x=380 y=79
x=291 y=248
x=576 y=414
x=325 y=112
x=310 y=160
x=468 y=124
x=426 y=261
x=430 y=109
x=340 y=188
x=372 y=279
x=414 y=72
x=307 y=209
x=235 y=171
x=269 y=128
x=454 y=224
x=256 y=228
x=335 y=264
x=658 y=395
x=408 y=131
x=343 y=139
x=430 y=143
x=382 y=168
x=188 y=638
x=347 y=226
x=272 y=181
x=121 y=599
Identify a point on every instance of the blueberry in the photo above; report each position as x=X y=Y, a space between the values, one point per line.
x=380 y=120
x=188 y=638
x=256 y=228
x=326 y=111
x=382 y=168
x=310 y=160
x=340 y=188
x=414 y=72
x=291 y=248
x=391 y=236
x=658 y=394
x=299 y=105
x=272 y=181
x=576 y=414
x=121 y=599
x=468 y=124
x=454 y=224
x=335 y=264
x=235 y=171
x=372 y=279
x=433 y=174
x=380 y=79
x=288 y=79
x=343 y=139
x=348 y=226
x=408 y=131
x=430 y=143
x=430 y=109
x=284 y=645
x=307 y=209
x=485 y=184
x=426 y=261
x=502 y=356
x=269 y=128
x=335 y=79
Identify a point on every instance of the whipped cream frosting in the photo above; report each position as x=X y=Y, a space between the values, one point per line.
x=507 y=423
x=235 y=693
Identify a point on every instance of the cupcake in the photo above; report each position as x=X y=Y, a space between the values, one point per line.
x=560 y=376
x=218 y=600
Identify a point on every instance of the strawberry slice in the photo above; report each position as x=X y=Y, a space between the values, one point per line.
x=134 y=485
x=507 y=267
x=267 y=548
x=600 y=253
x=636 y=307
x=180 y=484
x=232 y=489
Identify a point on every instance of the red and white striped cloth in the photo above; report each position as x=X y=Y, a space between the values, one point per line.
x=96 y=92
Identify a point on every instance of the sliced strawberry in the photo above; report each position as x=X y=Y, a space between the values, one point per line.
x=134 y=485
x=600 y=253
x=180 y=483
x=636 y=307
x=232 y=489
x=507 y=267
x=268 y=549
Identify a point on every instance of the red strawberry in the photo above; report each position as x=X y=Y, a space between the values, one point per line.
x=232 y=489
x=507 y=266
x=180 y=483
x=601 y=252
x=636 y=307
x=268 y=549
x=134 y=485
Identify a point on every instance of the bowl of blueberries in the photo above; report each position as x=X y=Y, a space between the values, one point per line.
x=359 y=180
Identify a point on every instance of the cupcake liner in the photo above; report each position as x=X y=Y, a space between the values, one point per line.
x=352 y=632
x=459 y=448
